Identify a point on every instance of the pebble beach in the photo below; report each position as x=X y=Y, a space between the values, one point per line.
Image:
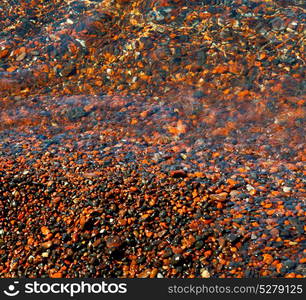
x=152 y=139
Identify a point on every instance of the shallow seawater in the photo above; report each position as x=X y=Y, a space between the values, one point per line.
x=128 y=122
x=46 y=106
x=180 y=119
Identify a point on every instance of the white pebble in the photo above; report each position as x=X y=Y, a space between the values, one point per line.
x=286 y=189
x=249 y=187
x=205 y=273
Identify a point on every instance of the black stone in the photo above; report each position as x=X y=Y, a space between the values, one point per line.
x=176 y=259
x=233 y=238
x=198 y=94
x=289 y=264
x=199 y=245
x=76 y=113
